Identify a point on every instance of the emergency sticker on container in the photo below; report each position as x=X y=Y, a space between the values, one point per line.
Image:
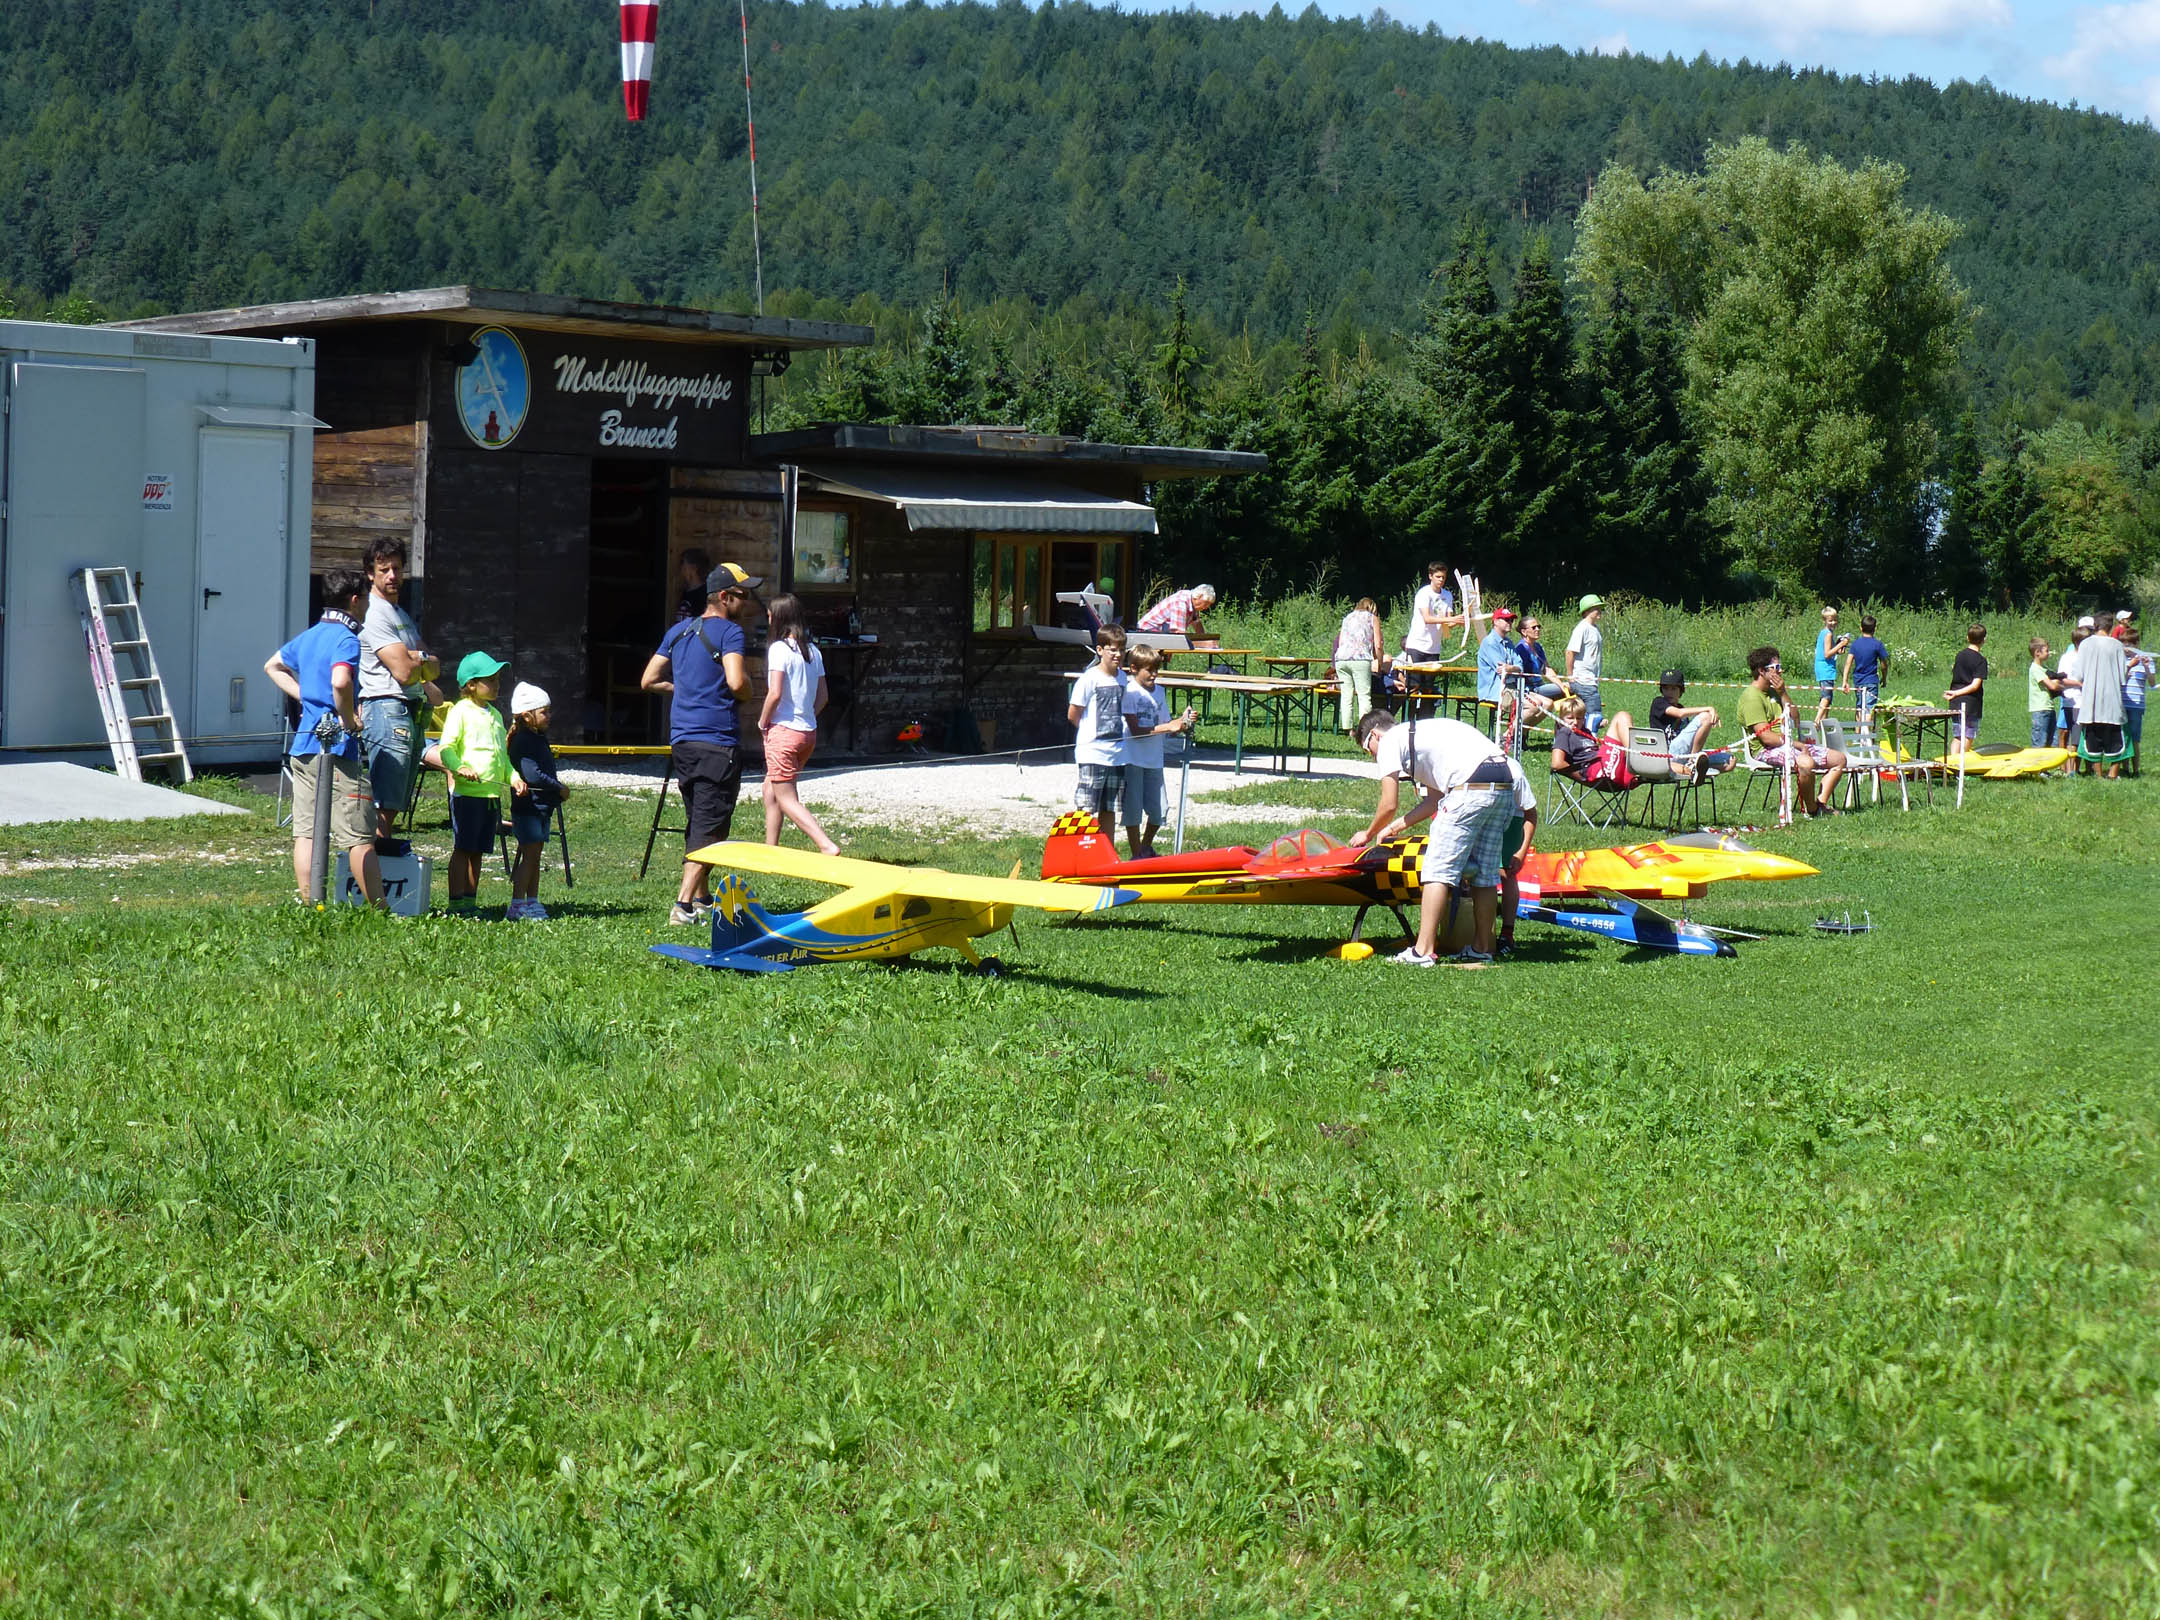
x=157 y=492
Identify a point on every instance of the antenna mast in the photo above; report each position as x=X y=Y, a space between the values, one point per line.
x=757 y=248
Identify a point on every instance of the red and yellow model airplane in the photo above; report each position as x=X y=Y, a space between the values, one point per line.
x=1310 y=868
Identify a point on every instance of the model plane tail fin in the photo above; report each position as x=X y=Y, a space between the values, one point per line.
x=1077 y=848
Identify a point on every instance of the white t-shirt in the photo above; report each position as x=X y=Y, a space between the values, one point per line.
x=386 y=625
x=1447 y=752
x=1588 y=646
x=1100 y=738
x=1151 y=708
x=2067 y=665
x=1423 y=637
x=799 y=677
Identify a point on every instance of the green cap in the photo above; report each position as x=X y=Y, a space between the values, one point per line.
x=1589 y=602
x=478 y=666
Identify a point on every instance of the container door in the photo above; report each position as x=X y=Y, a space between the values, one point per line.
x=240 y=565
x=74 y=494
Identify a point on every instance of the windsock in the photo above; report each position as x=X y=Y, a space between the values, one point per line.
x=638 y=18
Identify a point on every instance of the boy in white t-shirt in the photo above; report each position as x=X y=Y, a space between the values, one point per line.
x=1097 y=712
x=1147 y=721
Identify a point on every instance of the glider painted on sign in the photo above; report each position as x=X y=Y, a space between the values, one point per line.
x=883 y=913
x=1310 y=868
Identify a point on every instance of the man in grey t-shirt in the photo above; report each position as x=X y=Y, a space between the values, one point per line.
x=397 y=677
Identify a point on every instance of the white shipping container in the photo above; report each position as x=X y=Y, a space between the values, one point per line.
x=184 y=459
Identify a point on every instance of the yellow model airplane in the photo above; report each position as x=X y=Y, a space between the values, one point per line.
x=885 y=911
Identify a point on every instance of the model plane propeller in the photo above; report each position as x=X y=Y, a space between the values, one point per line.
x=1309 y=868
x=883 y=912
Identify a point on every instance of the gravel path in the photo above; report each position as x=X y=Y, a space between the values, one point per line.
x=988 y=796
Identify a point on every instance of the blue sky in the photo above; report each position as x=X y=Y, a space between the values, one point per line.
x=2100 y=55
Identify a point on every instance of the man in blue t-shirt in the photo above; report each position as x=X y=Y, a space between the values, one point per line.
x=700 y=663
x=318 y=670
x=1866 y=659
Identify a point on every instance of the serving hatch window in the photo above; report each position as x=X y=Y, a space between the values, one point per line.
x=824 y=550
x=1018 y=577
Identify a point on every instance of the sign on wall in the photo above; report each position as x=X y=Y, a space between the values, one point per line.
x=571 y=395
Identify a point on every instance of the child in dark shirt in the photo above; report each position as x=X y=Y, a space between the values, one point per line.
x=532 y=812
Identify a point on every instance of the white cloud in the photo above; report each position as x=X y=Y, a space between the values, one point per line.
x=1610 y=44
x=2113 y=50
x=1791 y=21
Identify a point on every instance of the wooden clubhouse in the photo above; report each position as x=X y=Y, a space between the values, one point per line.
x=548 y=460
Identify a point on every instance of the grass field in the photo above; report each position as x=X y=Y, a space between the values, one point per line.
x=353 y=1266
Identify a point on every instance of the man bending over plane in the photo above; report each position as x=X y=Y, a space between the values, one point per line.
x=1470 y=795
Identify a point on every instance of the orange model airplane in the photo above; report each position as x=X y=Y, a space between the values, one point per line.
x=1309 y=868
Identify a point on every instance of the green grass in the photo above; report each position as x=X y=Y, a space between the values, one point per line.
x=356 y=1266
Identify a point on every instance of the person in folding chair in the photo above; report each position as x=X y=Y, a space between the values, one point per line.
x=1766 y=716
x=1582 y=758
x=1471 y=795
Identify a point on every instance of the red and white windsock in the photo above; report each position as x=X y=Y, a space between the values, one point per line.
x=638 y=18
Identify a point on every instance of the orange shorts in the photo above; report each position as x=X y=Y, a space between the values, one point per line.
x=787 y=751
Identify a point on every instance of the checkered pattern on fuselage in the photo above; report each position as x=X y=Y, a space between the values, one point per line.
x=1398 y=879
x=1075 y=824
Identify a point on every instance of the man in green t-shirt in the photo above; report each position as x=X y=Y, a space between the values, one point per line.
x=1766 y=717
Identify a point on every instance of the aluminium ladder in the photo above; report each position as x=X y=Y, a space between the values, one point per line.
x=122 y=667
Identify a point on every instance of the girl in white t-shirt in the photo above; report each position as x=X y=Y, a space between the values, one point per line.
x=794 y=696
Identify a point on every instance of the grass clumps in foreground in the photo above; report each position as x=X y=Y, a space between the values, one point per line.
x=350 y=1266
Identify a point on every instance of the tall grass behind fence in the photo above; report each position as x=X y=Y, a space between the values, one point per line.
x=1643 y=638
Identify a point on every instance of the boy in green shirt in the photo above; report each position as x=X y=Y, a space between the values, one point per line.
x=2041 y=688
x=475 y=753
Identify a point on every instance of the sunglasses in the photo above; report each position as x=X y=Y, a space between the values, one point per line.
x=1780 y=668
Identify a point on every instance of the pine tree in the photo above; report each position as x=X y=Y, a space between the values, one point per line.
x=1647 y=495
x=1178 y=360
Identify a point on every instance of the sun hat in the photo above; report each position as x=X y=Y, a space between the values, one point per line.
x=1589 y=602
x=2086 y=623
x=1672 y=677
x=731 y=577
x=526 y=698
x=478 y=666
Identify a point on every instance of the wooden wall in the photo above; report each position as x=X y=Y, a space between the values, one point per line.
x=370 y=464
x=508 y=567
x=733 y=516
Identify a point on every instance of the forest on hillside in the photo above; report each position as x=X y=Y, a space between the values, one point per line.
x=1015 y=196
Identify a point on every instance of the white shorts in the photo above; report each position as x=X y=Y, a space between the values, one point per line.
x=1463 y=850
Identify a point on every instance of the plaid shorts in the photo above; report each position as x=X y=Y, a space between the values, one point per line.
x=1097 y=791
x=1463 y=849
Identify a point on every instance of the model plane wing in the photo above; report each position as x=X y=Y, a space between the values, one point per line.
x=870 y=879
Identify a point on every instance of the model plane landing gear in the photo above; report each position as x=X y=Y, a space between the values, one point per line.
x=1357 y=923
x=990 y=968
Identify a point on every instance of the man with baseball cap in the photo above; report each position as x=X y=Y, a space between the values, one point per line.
x=700 y=664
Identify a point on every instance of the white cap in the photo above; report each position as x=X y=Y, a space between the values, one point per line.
x=2122 y=615
x=526 y=697
x=2085 y=623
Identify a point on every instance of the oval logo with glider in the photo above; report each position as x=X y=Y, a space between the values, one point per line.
x=494 y=391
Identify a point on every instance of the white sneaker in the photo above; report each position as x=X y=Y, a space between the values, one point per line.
x=682 y=916
x=528 y=911
x=1411 y=956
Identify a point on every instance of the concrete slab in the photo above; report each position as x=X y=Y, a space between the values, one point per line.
x=58 y=792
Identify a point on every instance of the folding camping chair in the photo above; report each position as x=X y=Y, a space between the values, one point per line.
x=1649 y=757
x=1594 y=804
